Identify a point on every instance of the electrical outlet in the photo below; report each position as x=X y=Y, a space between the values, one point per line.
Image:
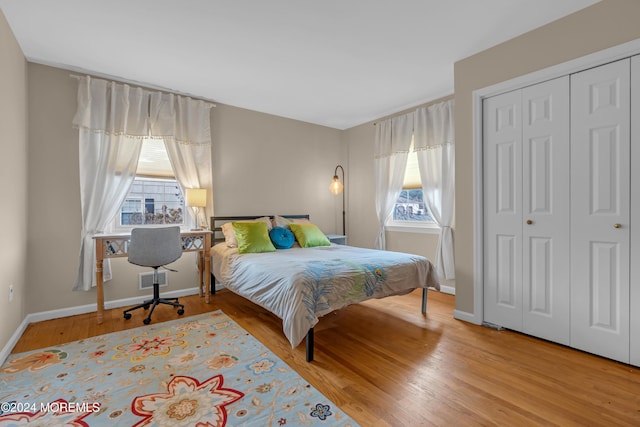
x=10 y=293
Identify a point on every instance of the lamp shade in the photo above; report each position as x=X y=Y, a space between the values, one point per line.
x=196 y=197
x=336 y=186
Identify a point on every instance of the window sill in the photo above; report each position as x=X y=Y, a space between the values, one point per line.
x=413 y=228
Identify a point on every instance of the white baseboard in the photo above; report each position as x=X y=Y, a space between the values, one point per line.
x=6 y=350
x=447 y=290
x=467 y=317
x=82 y=309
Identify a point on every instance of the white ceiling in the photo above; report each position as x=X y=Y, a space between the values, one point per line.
x=337 y=63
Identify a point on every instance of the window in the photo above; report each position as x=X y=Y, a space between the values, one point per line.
x=155 y=197
x=410 y=206
x=411 y=212
x=153 y=201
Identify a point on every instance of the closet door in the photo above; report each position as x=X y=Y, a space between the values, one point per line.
x=502 y=149
x=545 y=236
x=634 y=332
x=600 y=188
x=526 y=150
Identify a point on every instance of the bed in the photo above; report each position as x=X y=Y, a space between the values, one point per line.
x=300 y=285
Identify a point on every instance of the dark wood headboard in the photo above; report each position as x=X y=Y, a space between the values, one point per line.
x=217 y=221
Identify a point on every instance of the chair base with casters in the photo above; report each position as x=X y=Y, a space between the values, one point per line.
x=154 y=302
x=155 y=247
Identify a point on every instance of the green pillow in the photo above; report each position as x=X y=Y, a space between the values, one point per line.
x=309 y=235
x=252 y=237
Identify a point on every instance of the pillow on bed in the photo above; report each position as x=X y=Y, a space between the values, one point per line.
x=282 y=238
x=309 y=235
x=229 y=235
x=280 y=221
x=252 y=237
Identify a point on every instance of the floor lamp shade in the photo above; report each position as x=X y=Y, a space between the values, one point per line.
x=336 y=186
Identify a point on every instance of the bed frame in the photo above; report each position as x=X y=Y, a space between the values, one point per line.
x=218 y=237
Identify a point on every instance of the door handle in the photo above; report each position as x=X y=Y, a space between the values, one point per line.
x=617 y=225
x=529 y=222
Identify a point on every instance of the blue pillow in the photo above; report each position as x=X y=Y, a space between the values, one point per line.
x=282 y=238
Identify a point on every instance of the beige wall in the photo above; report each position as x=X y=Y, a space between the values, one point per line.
x=606 y=24
x=269 y=165
x=262 y=164
x=13 y=175
x=362 y=219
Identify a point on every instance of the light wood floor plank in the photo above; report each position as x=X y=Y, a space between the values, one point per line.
x=386 y=364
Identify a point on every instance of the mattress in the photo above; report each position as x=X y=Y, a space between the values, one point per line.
x=300 y=285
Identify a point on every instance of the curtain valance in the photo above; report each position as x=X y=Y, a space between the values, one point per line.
x=120 y=109
x=393 y=136
x=111 y=108
x=181 y=119
x=433 y=126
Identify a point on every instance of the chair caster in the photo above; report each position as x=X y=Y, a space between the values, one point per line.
x=181 y=311
x=146 y=321
x=127 y=316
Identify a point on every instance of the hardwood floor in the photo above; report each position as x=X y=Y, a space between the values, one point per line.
x=386 y=364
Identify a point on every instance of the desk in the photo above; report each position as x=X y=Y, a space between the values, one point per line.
x=117 y=245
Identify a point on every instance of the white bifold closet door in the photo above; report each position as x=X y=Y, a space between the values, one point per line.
x=503 y=210
x=526 y=210
x=600 y=210
x=634 y=284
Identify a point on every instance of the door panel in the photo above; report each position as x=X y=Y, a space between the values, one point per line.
x=506 y=266
x=546 y=220
x=634 y=300
x=600 y=219
x=604 y=260
x=503 y=210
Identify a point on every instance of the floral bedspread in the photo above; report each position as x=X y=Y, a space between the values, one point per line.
x=301 y=285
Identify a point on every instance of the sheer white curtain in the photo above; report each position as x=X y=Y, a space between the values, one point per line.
x=434 y=144
x=392 y=143
x=112 y=119
x=184 y=125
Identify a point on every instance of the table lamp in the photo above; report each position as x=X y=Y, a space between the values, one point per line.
x=196 y=198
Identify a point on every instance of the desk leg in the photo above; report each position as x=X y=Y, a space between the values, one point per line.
x=200 y=271
x=207 y=268
x=99 y=279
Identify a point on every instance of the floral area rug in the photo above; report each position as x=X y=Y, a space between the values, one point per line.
x=199 y=371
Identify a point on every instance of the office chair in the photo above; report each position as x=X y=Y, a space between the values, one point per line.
x=155 y=247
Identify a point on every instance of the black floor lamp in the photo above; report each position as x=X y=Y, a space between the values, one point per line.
x=336 y=188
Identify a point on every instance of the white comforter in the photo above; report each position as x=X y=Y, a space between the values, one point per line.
x=301 y=285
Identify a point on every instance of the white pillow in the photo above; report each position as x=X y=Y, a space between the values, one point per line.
x=230 y=236
x=280 y=221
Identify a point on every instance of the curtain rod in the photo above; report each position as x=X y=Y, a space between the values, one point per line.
x=159 y=88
